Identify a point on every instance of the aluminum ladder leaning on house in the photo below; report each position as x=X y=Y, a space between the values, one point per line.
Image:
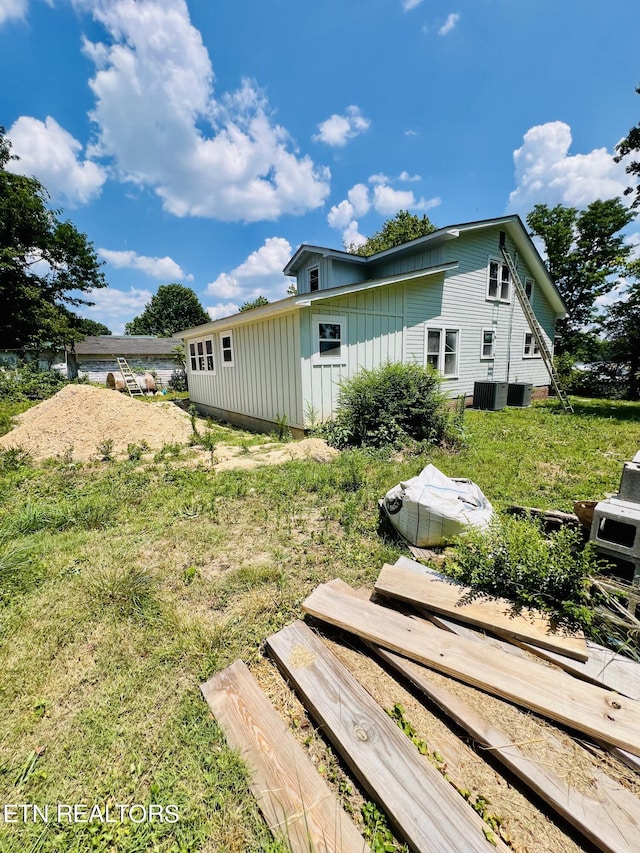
x=129 y=379
x=536 y=331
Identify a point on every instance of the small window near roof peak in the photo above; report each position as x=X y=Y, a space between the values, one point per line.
x=314 y=279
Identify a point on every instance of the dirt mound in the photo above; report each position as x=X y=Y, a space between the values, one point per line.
x=76 y=419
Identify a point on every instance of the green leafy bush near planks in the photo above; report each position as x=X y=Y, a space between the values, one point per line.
x=514 y=559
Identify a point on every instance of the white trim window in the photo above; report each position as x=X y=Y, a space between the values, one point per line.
x=530 y=348
x=488 y=343
x=329 y=339
x=498 y=281
x=201 y=356
x=314 y=279
x=442 y=347
x=528 y=289
x=226 y=346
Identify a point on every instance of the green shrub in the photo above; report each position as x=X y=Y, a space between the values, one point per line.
x=28 y=382
x=389 y=405
x=514 y=559
x=178 y=380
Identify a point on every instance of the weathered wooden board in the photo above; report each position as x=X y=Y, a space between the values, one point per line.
x=627 y=758
x=424 y=809
x=294 y=799
x=609 y=816
x=447 y=597
x=593 y=710
x=603 y=666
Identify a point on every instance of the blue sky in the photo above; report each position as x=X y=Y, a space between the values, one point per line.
x=201 y=142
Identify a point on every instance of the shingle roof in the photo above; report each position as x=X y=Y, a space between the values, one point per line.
x=124 y=345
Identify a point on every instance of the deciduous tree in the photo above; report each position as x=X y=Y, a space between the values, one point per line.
x=401 y=228
x=621 y=328
x=256 y=303
x=629 y=145
x=43 y=261
x=173 y=308
x=585 y=255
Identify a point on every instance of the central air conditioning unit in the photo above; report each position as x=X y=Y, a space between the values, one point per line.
x=490 y=395
x=519 y=394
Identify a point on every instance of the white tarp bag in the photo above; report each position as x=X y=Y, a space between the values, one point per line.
x=431 y=509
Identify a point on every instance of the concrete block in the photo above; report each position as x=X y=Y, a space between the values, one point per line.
x=636 y=458
x=628 y=568
x=630 y=482
x=616 y=527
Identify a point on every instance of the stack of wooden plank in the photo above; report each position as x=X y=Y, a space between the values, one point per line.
x=421 y=623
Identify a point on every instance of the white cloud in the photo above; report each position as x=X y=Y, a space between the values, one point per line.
x=449 y=24
x=226 y=309
x=259 y=275
x=382 y=197
x=157 y=119
x=407 y=5
x=411 y=133
x=115 y=307
x=546 y=173
x=351 y=236
x=337 y=130
x=341 y=214
x=405 y=176
x=161 y=268
x=358 y=195
x=50 y=153
x=12 y=10
x=378 y=178
x=388 y=201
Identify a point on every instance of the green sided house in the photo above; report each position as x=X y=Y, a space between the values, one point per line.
x=447 y=300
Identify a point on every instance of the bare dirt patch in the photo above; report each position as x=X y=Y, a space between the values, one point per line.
x=309 y=448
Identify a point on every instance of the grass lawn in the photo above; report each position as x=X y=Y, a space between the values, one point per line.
x=123 y=585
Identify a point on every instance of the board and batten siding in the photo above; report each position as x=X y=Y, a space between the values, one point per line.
x=418 y=260
x=264 y=382
x=374 y=327
x=331 y=273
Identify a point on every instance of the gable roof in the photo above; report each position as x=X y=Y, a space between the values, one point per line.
x=124 y=345
x=511 y=223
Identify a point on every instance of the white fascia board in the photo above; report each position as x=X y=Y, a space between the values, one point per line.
x=263 y=312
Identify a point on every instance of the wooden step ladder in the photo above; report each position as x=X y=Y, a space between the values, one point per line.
x=129 y=379
x=536 y=331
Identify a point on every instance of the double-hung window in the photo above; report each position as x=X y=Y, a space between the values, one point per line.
x=226 y=345
x=530 y=349
x=329 y=339
x=442 y=349
x=498 y=281
x=488 y=343
x=201 y=356
x=528 y=288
